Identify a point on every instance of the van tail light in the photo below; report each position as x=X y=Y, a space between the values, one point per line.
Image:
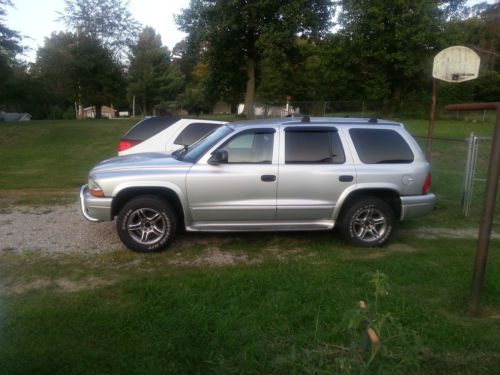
x=125 y=144
x=427 y=185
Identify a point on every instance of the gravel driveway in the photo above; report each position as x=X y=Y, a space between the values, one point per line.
x=61 y=229
x=55 y=229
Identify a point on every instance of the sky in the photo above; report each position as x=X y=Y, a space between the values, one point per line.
x=37 y=19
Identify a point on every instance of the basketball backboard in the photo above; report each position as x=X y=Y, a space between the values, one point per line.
x=456 y=64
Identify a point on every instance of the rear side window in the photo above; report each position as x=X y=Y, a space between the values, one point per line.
x=148 y=127
x=381 y=146
x=313 y=147
x=194 y=132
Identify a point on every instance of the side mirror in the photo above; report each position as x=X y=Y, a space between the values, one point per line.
x=218 y=157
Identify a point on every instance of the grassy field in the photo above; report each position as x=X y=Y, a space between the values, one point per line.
x=272 y=303
x=284 y=304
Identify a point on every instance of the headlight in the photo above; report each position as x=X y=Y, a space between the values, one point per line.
x=95 y=189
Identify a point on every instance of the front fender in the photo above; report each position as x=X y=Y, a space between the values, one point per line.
x=158 y=184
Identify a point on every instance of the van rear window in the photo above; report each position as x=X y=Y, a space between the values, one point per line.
x=381 y=146
x=148 y=127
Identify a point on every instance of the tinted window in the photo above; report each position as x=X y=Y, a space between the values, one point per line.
x=313 y=147
x=148 y=127
x=194 y=132
x=250 y=147
x=380 y=146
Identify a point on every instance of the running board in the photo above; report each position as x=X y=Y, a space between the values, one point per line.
x=266 y=226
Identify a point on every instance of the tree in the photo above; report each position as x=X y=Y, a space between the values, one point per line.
x=392 y=40
x=237 y=32
x=481 y=32
x=9 y=47
x=78 y=68
x=152 y=77
x=107 y=21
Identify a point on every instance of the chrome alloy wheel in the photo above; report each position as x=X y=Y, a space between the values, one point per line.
x=146 y=226
x=369 y=224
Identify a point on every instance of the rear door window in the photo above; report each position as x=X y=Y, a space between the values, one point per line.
x=194 y=132
x=148 y=127
x=313 y=146
x=381 y=146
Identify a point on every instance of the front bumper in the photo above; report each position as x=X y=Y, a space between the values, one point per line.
x=417 y=205
x=94 y=209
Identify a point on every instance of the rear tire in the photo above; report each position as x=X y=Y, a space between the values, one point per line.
x=146 y=223
x=368 y=223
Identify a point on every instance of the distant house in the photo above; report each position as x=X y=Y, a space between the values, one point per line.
x=106 y=112
x=5 y=116
x=222 y=108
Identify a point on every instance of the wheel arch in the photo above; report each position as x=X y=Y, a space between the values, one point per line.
x=389 y=195
x=126 y=194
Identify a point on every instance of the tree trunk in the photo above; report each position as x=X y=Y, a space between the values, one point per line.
x=250 y=92
x=392 y=101
x=98 y=110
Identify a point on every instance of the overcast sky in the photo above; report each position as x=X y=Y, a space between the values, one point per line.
x=36 y=19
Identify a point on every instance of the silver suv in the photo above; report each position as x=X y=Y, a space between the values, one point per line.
x=294 y=174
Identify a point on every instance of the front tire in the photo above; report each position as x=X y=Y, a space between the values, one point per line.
x=368 y=223
x=146 y=224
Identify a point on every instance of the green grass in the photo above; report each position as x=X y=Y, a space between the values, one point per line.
x=55 y=154
x=281 y=311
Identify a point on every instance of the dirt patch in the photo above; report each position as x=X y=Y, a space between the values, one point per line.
x=61 y=284
x=442 y=233
x=212 y=256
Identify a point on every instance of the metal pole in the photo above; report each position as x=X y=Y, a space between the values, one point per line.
x=486 y=220
x=467 y=176
x=431 y=120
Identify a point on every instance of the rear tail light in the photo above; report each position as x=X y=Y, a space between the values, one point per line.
x=125 y=144
x=427 y=185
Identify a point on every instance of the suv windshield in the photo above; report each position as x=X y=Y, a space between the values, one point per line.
x=196 y=150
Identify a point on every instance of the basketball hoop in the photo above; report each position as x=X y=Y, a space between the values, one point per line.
x=453 y=64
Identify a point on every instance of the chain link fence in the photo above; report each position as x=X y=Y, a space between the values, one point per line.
x=459 y=172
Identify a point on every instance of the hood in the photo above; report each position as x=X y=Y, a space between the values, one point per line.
x=148 y=160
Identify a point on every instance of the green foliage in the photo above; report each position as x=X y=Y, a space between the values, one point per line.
x=9 y=47
x=395 y=349
x=153 y=78
x=236 y=36
x=74 y=67
x=108 y=21
x=392 y=42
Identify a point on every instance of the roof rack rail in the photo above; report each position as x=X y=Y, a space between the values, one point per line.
x=294 y=115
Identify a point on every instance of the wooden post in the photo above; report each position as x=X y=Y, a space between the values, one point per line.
x=431 y=119
x=484 y=233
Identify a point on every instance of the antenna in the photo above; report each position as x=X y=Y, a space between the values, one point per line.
x=305 y=119
x=373 y=120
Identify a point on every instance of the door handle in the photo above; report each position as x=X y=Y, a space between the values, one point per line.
x=346 y=178
x=268 y=178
